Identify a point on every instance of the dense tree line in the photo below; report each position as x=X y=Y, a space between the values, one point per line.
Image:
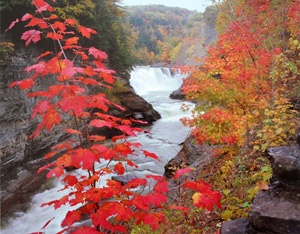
x=105 y=16
x=170 y=34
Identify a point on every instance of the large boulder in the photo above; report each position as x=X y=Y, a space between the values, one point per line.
x=275 y=211
x=136 y=107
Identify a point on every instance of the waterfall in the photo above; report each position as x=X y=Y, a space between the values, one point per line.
x=147 y=79
x=153 y=84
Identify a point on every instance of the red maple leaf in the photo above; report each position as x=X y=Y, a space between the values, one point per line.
x=99 y=101
x=97 y=138
x=44 y=54
x=71 y=101
x=101 y=123
x=70 y=21
x=107 y=209
x=12 y=24
x=38 y=68
x=123 y=149
x=83 y=55
x=161 y=187
x=59 y=25
x=71 y=180
x=182 y=171
x=179 y=208
x=134 y=183
x=89 y=71
x=119 y=168
x=26 y=17
x=86 y=32
x=84 y=158
x=152 y=219
x=23 y=84
x=71 y=217
x=54 y=36
x=39 y=22
x=207 y=200
x=130 y=163
x=47 y=223
x=107 y=77
x=53 y=17
x=103 y=152
x=151 y=155
x=57 y=171
x=72 y=41
x=126 y=129
x=60 y=202
x=42 y=4
x=41 y=108
x=155 y=177
x=49 y=155
x=98 y=54
x=73 y=131
x=45 y=167
x=50 y=118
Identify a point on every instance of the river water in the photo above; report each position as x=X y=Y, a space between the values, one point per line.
x=155 y=86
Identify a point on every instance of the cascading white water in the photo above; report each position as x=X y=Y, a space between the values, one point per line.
x=155 y=85
x=147 y=79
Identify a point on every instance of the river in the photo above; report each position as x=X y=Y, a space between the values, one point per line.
x=155 y=86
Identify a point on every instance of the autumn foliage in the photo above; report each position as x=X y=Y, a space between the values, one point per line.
x=108 y=203
x=245 y=81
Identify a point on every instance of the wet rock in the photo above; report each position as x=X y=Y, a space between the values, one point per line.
x=177 y=94
x=237 y=226
x=136 y=107
x=285 y=163
x=276 y=211
x=191 y=154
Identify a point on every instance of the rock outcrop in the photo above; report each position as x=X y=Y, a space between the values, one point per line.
x=191 y=155
x=177 y=94
x=20 y=156
x=278 y=209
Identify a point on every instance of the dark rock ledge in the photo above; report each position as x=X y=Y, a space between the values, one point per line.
x=278 y=209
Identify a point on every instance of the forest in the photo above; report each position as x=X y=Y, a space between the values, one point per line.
x=244 y=81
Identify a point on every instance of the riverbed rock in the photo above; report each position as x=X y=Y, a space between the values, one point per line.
x=137 y=108
x=177 y=94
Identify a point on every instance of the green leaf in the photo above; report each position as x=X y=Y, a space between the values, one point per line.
x=226 y=192
x=226 y=215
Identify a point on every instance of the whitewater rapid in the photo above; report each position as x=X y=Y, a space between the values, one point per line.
x=155 y=86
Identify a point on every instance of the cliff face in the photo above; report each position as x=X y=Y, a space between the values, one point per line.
x=20 y=156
